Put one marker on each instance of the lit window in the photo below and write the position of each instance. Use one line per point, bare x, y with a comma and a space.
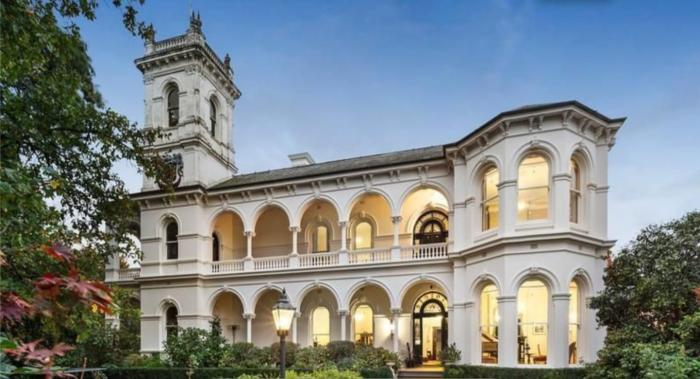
321, 239
363, 235
171, 322
171, 240
173, 106
321, 326
573, 322
489, 324
215, 248
533, 301
364, 325
575, 191
489, 199
212, 116
431, 227
533, 188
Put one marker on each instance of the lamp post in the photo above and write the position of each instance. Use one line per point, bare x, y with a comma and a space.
283, 313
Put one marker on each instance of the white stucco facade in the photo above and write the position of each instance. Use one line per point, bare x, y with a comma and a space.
300, 229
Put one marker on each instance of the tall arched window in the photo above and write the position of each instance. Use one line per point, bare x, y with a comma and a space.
171, 322
173, 105
171, 233
574, 192
489, 199
320, 239
574, 323
212, 116
363, 320
215, 248
533, 188
533, 305
489, 324
431, 227
320, 326
364, 235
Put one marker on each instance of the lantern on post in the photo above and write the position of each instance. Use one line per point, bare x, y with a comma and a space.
283, 314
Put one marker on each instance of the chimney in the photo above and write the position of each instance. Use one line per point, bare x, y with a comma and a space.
301, 159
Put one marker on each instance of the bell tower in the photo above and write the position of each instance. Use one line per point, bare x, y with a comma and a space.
190, 94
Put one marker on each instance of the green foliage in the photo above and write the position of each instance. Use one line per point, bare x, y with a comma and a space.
331, 373
340, 350
368, 357
465, 371
181, 373
147, 361
194, 347
313, 358
649, 306
382, 372
451, 354
241, 354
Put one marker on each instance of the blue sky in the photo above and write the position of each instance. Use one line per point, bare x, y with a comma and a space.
341, 79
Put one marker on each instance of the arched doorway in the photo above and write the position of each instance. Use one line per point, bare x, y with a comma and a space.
429, 326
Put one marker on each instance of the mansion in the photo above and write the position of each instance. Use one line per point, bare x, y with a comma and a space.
495, 242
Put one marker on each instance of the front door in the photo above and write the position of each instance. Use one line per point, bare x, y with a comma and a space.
429, 327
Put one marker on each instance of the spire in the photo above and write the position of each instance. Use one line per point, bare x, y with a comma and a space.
195, 23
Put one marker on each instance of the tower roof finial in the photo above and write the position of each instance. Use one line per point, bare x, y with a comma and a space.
195, 23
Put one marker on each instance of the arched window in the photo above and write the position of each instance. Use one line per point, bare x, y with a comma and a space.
320, 326
320, 239
171, 233
574, 324
173, 105
489, 199
533, 305
574, 191
171, 322
215, 248
364, 235
212, 116
533, 188
431, 227
489, 324
363, 319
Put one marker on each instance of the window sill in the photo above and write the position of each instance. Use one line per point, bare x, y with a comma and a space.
533, 225
486, 235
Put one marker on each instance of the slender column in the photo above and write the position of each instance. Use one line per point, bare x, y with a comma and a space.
295, 335
472, 346
295, 233
248, 261
343, 313
508, 194
559, 348
560, 201
508, 331
249, 326
395, 313
343, 235
396, 220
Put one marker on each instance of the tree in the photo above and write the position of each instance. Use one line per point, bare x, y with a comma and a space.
649, 305
63, 210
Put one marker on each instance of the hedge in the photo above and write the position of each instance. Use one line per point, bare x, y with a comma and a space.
384, 372
464, 371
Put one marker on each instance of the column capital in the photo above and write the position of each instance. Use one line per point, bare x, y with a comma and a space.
396, 311
249, 316
507, 299
249, 233
507, 183
294, 229
343, 224
396, 219
561, 296
562, 176
343, 312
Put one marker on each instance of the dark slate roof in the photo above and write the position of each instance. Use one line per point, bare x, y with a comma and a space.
332, 167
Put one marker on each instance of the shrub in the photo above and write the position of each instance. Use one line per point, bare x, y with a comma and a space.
181, 373
290, 354
241, 354
138, 360
451, 354
332, 373
339, 350
465, 371
368, 357
313, 358
383, 372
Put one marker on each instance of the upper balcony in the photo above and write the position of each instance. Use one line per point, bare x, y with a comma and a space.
372, 234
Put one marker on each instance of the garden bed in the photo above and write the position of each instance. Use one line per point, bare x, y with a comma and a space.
464, 371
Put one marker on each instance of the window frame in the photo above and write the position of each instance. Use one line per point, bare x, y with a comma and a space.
314, 239
171, 241
371, 233
172, 93
547, 186
213, 116
484, 200
356, 335
215, 247
575, 192
314, 335
171, 328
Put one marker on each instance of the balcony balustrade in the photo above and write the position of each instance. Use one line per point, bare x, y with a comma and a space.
330, 259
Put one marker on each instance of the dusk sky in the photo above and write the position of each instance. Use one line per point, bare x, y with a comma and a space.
340, 79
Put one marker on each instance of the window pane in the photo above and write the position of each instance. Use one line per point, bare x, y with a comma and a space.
533, 204
574, 198
489, 324
533, 302
490, 214
364, 325
321, 239
573, 322
490, 185
363, 235
533, 172
321, 324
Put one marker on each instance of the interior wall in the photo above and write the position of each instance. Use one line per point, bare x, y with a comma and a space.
264, 332
230, 311
272, 235
229, 227
319, 211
